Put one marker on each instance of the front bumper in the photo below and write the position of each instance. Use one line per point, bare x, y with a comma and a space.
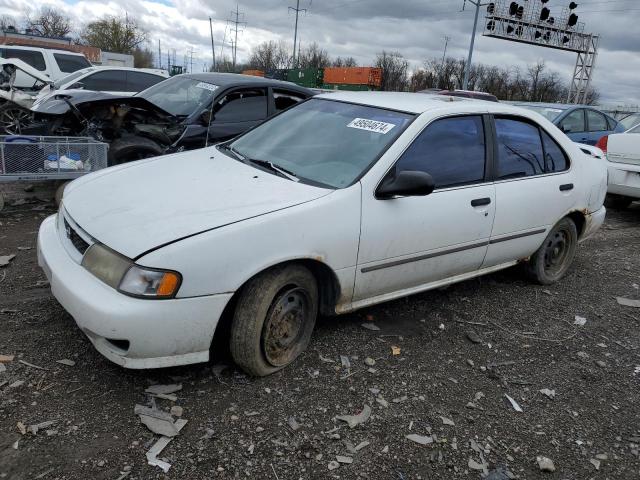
134, 333
624, 179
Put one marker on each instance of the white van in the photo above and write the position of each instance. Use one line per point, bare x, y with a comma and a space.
55, 64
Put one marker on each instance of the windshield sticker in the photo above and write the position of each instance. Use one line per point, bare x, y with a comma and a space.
207, 86
371, 125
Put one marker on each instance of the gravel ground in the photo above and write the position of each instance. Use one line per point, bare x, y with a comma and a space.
460, 352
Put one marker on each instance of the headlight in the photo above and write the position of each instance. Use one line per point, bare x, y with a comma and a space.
121, 273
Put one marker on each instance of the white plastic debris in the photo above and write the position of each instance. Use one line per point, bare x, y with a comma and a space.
625, 302
344, 459
67, 362
420, 439
447, 421
152, 454
548, 393
545, 464
157, 421
371, 326
514, 404
164, 389
580, 321
355, 420
344, 360
5, 259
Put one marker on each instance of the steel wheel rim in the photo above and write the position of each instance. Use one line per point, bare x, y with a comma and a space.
285, 324
13, 119
557, 251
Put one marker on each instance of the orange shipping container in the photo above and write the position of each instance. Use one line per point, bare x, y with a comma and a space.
353, 76
254, 73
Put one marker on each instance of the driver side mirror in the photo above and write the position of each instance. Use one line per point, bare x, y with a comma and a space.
407, 183
78, 86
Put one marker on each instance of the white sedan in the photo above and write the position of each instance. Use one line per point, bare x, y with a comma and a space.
346, 200
623, 153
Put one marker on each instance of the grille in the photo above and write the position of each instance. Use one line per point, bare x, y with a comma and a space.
76, 240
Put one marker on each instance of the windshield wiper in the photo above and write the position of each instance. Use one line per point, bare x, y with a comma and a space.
274, 168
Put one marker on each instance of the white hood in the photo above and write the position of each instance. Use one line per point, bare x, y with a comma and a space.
145, 204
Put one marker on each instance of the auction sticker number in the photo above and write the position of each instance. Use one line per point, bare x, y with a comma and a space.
207, 86
371, 125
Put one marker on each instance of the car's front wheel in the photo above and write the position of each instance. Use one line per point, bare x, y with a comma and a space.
554, 258
274, 318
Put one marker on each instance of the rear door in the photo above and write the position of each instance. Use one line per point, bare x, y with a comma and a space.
407, 242
534, 188
575, 126
597, 126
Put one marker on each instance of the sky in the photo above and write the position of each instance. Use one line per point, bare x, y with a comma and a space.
362, 28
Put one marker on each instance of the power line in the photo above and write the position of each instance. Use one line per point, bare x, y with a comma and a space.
297, 9
238, 14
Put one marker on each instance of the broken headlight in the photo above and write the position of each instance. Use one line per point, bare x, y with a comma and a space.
121, 273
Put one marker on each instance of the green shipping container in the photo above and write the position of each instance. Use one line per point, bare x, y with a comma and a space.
306, 77
349, 87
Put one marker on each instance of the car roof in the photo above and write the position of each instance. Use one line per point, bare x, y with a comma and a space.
53, 50
236, 79
95, 68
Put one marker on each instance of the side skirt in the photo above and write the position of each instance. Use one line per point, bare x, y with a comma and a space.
346, 308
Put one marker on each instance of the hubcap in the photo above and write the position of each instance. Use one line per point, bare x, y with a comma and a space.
285, 325
12, 120
556, 252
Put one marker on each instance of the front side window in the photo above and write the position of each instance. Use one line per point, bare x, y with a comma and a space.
597, 121
520, 151
242, 106
574, 122
324, 142
32, 58
106, 81
70, 63
451, 150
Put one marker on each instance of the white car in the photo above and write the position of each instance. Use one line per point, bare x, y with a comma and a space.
623, 153
346, 200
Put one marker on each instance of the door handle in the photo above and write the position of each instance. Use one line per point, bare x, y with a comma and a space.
566, 187
479, 202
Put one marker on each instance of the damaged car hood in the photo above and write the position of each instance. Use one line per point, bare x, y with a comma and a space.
58, 103
142, 205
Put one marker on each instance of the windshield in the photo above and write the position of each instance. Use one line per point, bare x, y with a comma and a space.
71, 77
630, 121
180, 96
549, 113
324, 142
635, 130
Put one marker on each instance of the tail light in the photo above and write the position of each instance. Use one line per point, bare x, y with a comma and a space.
602, 143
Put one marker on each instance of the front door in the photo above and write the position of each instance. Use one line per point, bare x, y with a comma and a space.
238, 111
408, 242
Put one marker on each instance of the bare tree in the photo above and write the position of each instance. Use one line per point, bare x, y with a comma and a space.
269, 56
48, 22
114, 34
394, 71
313, 56
344, 62
8, 21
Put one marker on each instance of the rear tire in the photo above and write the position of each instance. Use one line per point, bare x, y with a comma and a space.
617, 202
131, 148
274, 319
14, 118
555, 256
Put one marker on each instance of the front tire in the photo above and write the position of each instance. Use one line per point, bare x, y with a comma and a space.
130, 148
554, 258
14, 118
274, 319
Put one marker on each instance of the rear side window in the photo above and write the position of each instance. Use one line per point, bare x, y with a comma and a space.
284, 99
32, 58
70, 63
138, 81
574, 122
520, 151
242, 106
451, 150
107, 81
597, 121
555, 160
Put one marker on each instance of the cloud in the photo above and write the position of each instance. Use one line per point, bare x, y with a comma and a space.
362, 28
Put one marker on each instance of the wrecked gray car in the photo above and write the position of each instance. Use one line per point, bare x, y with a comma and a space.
181, 113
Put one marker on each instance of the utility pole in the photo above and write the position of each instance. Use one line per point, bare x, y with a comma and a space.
236, 22
444, 55
159, 55
213, 49
467, 67
297, 9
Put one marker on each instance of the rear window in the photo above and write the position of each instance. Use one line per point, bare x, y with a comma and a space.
70, 63
32, 58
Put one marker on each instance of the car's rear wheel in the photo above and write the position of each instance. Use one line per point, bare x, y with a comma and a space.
617, 202
554, 258
14, 118
131, 148
274, 319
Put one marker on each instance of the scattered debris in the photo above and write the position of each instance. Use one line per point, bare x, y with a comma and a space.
395, 350
293, 424
369, 361
420, 439
157, 421
40, 426
473, 337
325, 359
447, 421
580, 321
345, 362
545, 464
371, 326
6, 358
31, 365
67, 362
164, 389
5, 259
176, 411
344, 459
382, 402
514, 404
548, 393
601, 363
355, 420
595, 462
362, 445
21, 428
16, 384
625, 302
333, 465
152, 454
473, 465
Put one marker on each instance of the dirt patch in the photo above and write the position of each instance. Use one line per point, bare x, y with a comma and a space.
461, 351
